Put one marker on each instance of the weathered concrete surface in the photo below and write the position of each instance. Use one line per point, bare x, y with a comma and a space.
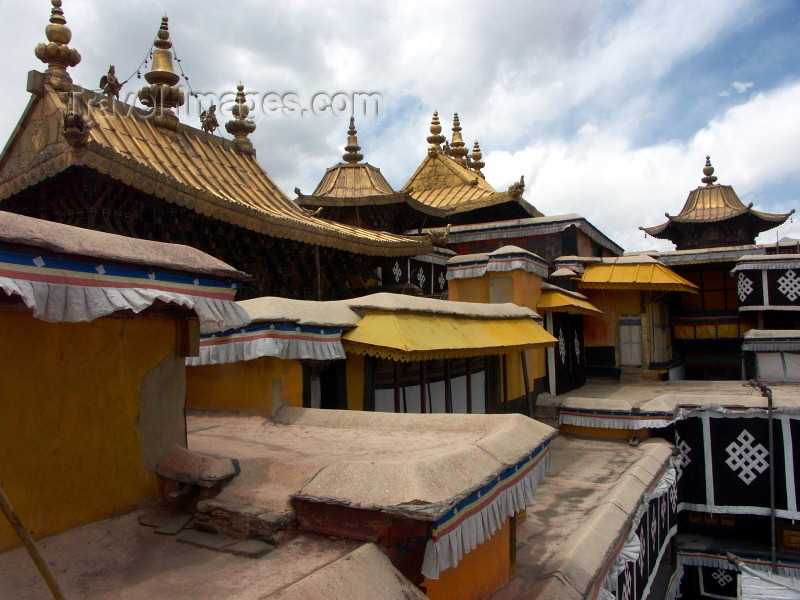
666, 395
122, 560
579, 512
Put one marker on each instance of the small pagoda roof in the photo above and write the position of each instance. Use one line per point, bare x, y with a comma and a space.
352, 182
448, 182
714, 203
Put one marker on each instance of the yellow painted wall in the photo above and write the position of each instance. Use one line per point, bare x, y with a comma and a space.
481, 572
355, 382
253, 387
469, 290
70, 449
602, 330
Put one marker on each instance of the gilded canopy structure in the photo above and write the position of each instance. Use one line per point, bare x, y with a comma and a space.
712, 216
634, 273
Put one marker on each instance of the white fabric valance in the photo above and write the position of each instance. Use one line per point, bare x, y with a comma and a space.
476, 518
279, 340
59, 290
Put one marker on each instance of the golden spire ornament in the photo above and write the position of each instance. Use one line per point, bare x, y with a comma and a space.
435, 139
708, 171
458, 149
162, 95
352, 154
475, 157
55, 52
240, 126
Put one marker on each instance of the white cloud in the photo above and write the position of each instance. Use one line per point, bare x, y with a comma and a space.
742, 86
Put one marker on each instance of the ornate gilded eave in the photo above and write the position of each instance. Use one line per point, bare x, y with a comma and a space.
218, 181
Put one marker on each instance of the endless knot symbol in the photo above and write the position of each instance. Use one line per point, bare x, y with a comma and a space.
627, 587
577, 348
682, 460
789, 285
654, 529
721, 577
442, 280
745, 286
642, 552
397, 271
747, 457
562, 346
421, 278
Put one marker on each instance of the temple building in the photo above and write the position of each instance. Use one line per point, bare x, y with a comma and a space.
713, 217
712, 233
87, 159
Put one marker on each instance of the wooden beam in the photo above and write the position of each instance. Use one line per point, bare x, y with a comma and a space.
423, 392
396, 386
448, 392
469, 386
527, 382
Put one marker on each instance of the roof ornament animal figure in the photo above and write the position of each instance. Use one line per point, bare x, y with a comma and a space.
110, 84
515, 189
208, 119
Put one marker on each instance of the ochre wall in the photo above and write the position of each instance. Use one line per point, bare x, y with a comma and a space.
71, 403
481, 572
602, 330
526, 288
253, 387
469, 290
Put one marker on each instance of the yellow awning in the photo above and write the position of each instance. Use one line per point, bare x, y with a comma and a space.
558, 301
627, 276
408, 336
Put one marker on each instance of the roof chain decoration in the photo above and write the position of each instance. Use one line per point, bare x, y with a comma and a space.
436, 139
475, 159
162, 95
352, 154
240, 126
56, 53
708, 171
458, 149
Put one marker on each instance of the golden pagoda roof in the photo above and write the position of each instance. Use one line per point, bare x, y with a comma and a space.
352, 183
187, 167
442, 186
713, 203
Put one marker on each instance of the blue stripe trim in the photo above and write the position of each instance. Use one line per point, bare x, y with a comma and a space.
49, 262
288, 327
487, 489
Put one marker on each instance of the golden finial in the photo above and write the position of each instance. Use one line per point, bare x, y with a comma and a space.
56, 53
435, 139
240, 126
708, 171
352, 154
475, 157
162, 95
458, 149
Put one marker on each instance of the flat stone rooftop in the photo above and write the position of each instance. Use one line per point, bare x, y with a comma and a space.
666, 396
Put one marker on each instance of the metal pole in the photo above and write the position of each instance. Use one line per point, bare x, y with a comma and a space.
319, 275
30, 545
768, 394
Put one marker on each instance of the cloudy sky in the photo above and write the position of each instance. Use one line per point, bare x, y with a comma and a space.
607, 108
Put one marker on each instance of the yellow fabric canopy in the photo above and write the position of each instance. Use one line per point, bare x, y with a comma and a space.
635, 276
557, 301
408, 336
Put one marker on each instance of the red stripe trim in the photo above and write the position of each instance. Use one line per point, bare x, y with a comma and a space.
488, 499
94, 283
278, 336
